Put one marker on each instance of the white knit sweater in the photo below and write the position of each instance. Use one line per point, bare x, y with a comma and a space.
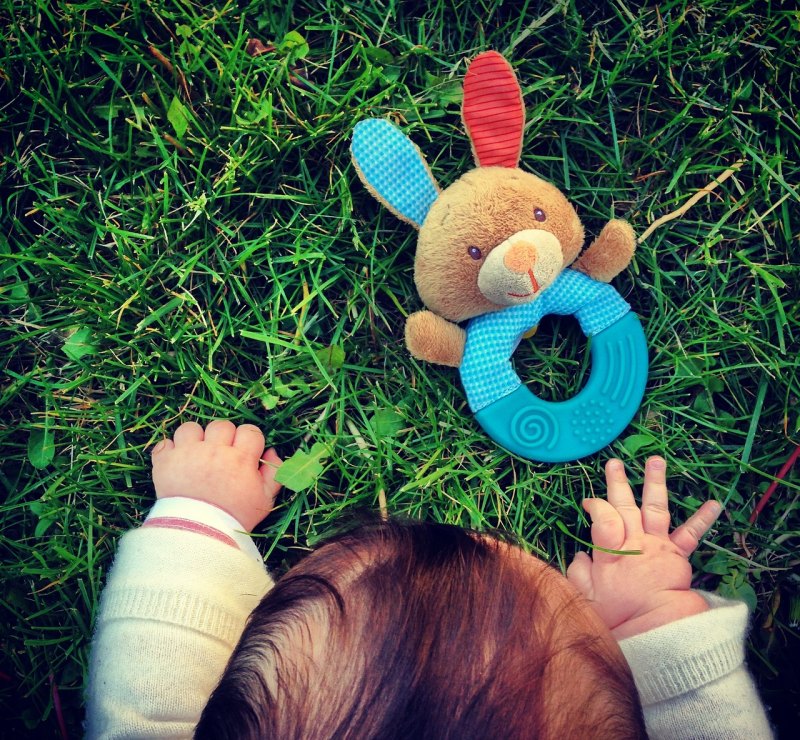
172, 611
691, 676
176, 602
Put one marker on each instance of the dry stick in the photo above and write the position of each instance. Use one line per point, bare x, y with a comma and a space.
174, 71
762, 502
689, 203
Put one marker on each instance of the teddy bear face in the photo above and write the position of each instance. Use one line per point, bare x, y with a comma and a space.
496, 237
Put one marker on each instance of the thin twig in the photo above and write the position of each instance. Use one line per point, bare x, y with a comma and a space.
173, 70
762, 502
57, 708
689, 203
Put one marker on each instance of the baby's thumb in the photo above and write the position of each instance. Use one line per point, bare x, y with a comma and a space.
270, 464
579, 574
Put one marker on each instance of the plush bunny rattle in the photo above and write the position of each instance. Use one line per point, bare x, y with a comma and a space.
494, 248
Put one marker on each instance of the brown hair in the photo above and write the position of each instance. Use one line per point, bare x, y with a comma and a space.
398, 630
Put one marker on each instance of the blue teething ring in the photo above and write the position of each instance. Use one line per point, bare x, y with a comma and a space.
567, 430
559, 431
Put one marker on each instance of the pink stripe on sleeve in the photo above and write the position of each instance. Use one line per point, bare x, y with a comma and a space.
187, 525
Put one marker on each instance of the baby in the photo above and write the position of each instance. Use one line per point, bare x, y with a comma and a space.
406, 630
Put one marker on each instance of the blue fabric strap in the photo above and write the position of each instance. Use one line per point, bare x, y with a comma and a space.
486, 370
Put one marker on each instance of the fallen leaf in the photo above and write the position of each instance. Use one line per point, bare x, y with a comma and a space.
294, 46
79, 344
41, 448
331, 358
256, 47
302, 469
177, 117
386, 423
635, 442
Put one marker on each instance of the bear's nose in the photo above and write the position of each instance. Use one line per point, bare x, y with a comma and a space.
520, 257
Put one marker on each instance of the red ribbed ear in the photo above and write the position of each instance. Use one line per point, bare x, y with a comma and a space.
493, 112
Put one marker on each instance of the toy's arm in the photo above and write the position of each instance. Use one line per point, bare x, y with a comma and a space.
610, 253
431, 338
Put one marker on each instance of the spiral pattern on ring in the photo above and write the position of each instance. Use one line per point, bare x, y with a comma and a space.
534, 427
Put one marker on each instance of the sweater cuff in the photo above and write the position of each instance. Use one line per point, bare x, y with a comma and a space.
682, 656
175, 577
169, 512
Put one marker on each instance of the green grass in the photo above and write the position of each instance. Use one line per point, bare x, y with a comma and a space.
207, 247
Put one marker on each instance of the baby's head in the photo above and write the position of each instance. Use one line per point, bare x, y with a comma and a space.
398, 630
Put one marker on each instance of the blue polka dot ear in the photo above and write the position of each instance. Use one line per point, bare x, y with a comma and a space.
393, 170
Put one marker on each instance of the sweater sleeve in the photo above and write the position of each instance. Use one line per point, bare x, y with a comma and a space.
692, 680
173, 609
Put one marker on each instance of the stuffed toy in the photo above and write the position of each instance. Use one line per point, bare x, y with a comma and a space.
498, 249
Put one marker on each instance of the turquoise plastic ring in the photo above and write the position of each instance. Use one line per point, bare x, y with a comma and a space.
558, 431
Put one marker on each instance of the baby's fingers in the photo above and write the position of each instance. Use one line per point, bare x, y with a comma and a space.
655, 499
270, 464
608, 528
620, 496
579, 574
687, 536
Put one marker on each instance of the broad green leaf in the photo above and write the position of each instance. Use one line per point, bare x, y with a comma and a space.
264, 396
268, 401
391, 73
331, 358
294, 46
635, 442
19, 290
688, 367
736, 587
386, 423
302, 469
718, 564
289, 390
379, 56
41, 448
444, 90
187, 48
41, 527
178, 117
32, 718
80, 343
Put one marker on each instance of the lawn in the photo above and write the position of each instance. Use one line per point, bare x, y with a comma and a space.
184, 237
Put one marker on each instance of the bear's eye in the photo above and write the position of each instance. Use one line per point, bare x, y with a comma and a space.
539, 214
475, 253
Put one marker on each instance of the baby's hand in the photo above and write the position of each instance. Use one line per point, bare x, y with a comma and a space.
220, 465
636, 593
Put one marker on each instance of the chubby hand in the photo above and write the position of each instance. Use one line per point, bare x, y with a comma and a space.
638, 592
223, 465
